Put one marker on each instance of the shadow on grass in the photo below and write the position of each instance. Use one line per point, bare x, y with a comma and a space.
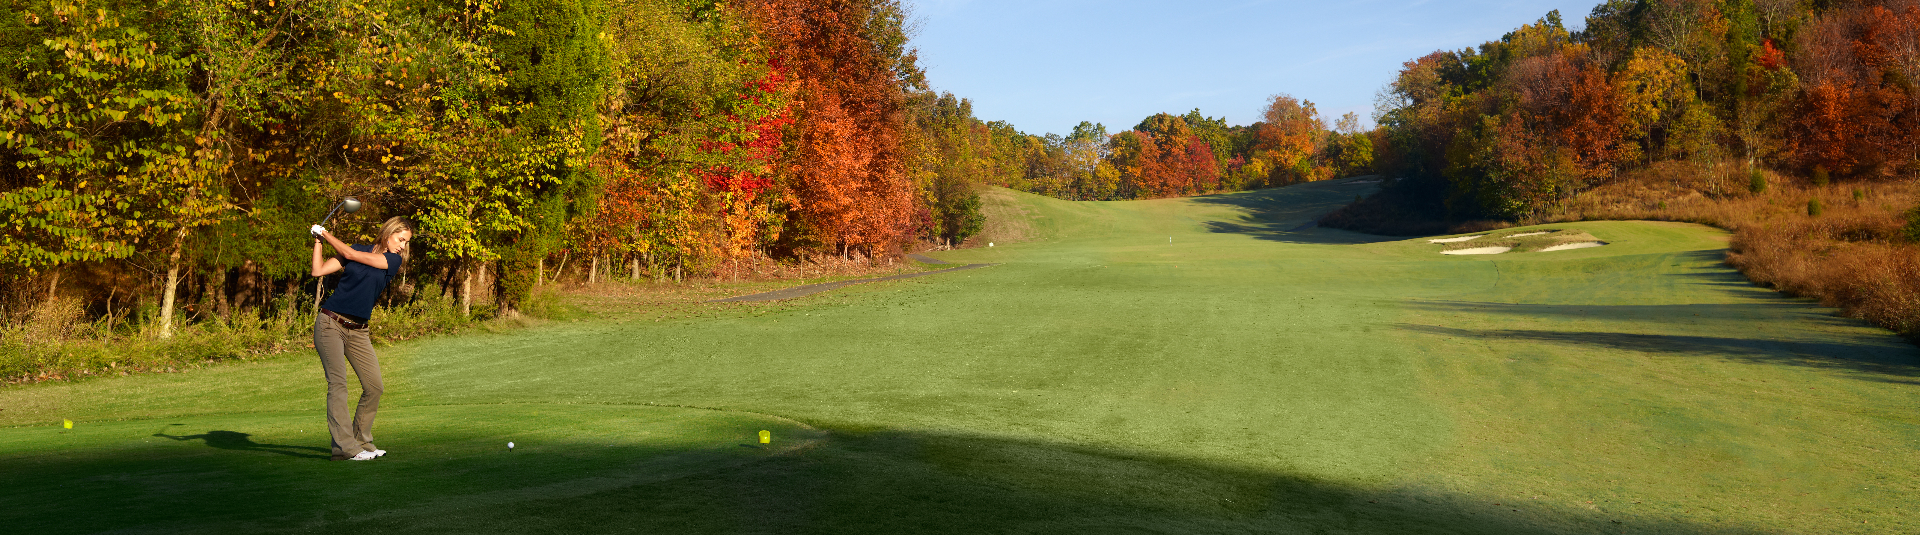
234, 440
1288, 214
1662, 313
899, 482
1891, 363
1758, 305
855, 482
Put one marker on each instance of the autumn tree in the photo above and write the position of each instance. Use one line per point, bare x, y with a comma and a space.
1290, 137
850, 61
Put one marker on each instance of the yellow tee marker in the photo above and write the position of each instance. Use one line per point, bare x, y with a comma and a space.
766, 437
67, 423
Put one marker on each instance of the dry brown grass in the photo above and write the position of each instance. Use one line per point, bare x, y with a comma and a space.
1851, 257
56, 341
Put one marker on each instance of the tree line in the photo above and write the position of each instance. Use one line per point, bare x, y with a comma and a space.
1165, 155
159, 155
1514, 128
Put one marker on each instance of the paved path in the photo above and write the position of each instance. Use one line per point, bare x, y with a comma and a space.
810, 289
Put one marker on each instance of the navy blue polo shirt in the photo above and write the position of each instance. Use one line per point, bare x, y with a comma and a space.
360, 285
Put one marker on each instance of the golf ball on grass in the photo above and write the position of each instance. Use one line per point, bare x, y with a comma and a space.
509, 445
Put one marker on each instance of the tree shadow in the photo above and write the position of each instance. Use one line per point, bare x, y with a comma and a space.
1290, 214
891, 481
1888, 363
1797, 309
234, 440
857, 481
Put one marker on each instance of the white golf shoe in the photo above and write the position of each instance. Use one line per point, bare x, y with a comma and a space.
365, 456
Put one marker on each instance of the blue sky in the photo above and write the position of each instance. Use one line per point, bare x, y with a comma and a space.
1046, 65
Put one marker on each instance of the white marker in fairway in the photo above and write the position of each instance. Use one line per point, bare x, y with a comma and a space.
509, 445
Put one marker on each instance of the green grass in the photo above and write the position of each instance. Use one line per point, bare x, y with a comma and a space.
1171, 366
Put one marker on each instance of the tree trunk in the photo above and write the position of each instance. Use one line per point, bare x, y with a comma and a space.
540, 272
217, 283
562, 271
319, 287
635, 261
466, 293
173, 281
593, 268
243, 297
292, 293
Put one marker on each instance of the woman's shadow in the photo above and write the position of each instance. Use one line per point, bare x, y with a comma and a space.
234, 440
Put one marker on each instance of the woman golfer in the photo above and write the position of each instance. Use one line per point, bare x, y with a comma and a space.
340, 332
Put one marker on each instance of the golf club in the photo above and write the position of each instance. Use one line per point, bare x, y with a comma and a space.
346, 206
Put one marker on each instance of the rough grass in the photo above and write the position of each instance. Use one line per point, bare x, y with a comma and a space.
58, 342
1852, 256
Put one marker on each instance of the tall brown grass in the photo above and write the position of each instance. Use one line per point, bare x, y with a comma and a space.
1852, 256
58, 342
55, 339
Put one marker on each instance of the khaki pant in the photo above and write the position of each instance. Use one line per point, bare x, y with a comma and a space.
340, 347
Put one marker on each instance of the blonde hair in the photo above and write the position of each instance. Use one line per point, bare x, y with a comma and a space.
392, 226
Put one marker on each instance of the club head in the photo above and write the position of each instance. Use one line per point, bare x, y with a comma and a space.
350, 205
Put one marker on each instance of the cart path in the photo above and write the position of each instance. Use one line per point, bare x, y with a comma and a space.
810, 289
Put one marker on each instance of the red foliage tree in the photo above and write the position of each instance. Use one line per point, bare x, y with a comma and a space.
1859, 108
848, 169
1569, 97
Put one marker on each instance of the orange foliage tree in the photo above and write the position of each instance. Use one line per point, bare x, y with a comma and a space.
1859, 109
851, 66
1289, 138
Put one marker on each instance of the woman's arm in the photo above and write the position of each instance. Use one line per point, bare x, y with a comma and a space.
378, 261
323, 266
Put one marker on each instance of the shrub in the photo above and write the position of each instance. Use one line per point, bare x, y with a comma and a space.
1821, 176
1912, 230
1756, 182
1813, 207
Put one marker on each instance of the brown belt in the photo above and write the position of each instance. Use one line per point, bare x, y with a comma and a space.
350, 324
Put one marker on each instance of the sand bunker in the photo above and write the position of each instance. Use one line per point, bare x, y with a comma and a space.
1574, 245
1529, 234
1459, 239
1479, 250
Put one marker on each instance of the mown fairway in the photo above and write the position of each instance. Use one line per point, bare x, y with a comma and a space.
1173, 366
